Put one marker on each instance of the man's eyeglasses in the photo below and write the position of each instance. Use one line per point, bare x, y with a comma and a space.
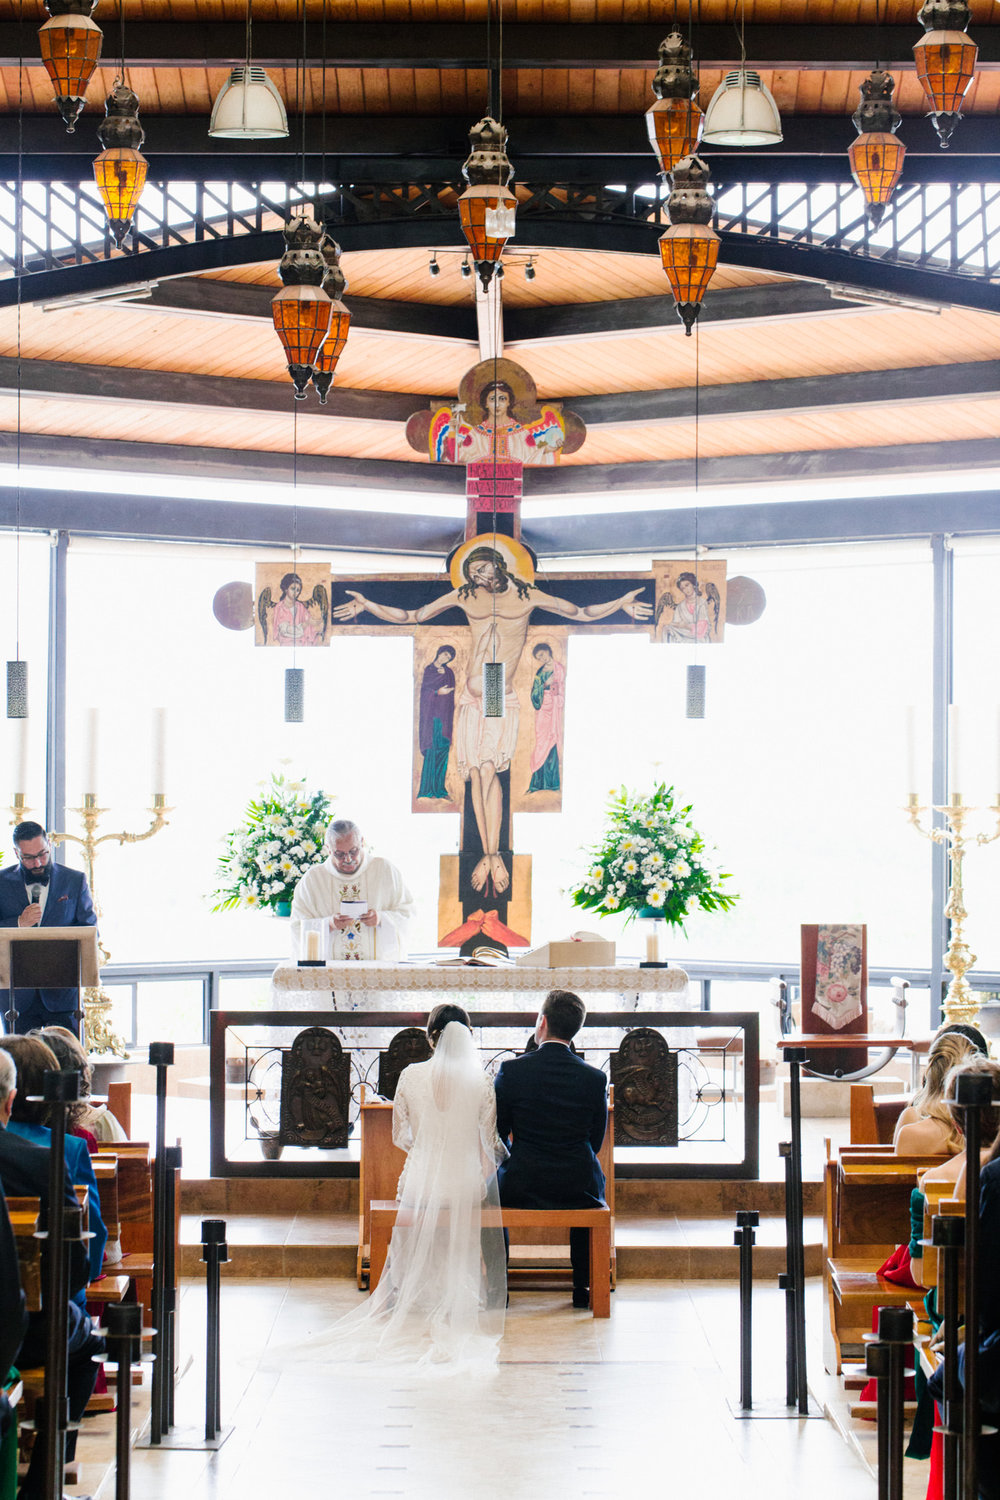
35, 859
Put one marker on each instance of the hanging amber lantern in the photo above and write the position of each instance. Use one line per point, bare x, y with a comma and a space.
946, 61
675, 121
70, 44
876, 156
486, 210
689, 249
120, 170
301, 310
334, 284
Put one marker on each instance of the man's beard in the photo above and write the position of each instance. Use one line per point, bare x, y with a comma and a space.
36, 877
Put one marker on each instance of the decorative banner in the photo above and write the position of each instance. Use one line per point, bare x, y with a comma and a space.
292, 607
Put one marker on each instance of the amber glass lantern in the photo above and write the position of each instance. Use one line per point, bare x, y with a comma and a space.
487, 207
689, 249
120, 170
70, 44
675, 121
332, 348
301, 316
876, 156
946, 61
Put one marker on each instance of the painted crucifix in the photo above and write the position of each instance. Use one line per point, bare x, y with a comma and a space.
492, 608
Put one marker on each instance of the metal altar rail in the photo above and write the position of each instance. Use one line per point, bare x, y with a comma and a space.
744, 1026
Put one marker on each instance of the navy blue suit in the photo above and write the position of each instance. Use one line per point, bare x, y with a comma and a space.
552, 1110
69, 904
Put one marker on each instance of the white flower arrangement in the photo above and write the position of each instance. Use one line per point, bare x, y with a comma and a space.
651, 861
281, 837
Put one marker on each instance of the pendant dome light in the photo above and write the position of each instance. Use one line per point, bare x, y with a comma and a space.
249, 107
742, 111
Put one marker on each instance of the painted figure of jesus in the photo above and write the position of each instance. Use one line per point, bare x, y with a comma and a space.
498, 605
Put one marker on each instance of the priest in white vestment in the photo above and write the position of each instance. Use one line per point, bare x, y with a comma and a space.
359, 903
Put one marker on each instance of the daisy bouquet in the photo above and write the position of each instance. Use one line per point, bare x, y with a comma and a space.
280, 837
651, 862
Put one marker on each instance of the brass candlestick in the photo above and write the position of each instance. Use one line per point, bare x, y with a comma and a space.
960, 1002
99, 1036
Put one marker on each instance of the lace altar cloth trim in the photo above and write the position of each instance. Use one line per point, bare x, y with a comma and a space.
431, 977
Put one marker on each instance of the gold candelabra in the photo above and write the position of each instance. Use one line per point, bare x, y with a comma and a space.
960, 1002
98, 1033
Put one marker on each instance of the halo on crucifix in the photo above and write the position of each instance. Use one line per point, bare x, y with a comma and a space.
513, 556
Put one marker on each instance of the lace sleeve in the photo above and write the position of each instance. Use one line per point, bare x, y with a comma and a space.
488, 1123
402, 1130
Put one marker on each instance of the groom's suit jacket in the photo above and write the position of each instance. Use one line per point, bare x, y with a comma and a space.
552, 1110
69, 904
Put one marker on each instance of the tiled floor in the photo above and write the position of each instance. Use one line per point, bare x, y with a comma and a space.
578, 1408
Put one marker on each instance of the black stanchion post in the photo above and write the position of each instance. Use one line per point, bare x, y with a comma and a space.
948, 1235
173, 1156
746, 1222
63, 1227
973, 1092
786, 1281
214, 1251
161, 1056
123, 1332
795, 1056
885, 1360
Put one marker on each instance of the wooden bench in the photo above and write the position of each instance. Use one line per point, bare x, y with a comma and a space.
24, 1215
873, 1121
596, 1220
382, 1164
866, 1215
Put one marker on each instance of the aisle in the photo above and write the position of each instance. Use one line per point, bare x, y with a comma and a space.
578, 1408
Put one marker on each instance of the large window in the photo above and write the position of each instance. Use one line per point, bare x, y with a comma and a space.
796, 774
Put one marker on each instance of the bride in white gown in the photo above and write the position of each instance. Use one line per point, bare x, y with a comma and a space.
441, 1298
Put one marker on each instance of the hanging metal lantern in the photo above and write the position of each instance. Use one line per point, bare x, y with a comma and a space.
120, 170
689, 249
334, 284
876, 156
946, 61
17, 690
70, 44
301, 310
675, 121
486, 210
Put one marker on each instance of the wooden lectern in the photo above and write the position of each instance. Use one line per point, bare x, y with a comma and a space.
47, 958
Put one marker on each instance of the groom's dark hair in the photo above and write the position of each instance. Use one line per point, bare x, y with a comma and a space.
439, 1018
565, 1013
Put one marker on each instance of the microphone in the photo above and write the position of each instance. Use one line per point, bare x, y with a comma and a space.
35, 892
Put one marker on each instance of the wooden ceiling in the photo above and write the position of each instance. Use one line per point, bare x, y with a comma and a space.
187, 377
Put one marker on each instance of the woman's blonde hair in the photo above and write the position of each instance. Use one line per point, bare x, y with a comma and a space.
949, 1050
989, 1115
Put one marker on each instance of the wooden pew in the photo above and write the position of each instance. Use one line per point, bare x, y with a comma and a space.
866, 1215
382, 1163
873, 1121
24, 1214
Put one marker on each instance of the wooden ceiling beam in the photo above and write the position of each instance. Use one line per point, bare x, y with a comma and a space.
462, 44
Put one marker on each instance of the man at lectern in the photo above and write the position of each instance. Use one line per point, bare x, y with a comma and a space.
37, 892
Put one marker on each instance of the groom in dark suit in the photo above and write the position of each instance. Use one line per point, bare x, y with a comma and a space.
37, 892
552, 1111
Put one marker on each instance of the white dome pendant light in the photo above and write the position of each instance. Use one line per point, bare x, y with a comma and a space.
742, 111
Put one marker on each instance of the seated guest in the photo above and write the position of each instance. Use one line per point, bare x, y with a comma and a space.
989, 1125
32, 1060
13, 1317
94, 1123
552, 1111
24, 1173
926, 1126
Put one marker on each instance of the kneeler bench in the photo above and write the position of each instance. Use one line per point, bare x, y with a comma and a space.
596, 1220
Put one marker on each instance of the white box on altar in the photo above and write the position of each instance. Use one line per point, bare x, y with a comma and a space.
569, 953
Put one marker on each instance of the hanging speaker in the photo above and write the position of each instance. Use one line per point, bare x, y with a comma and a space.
295, 695
494, 690
17, 690
695, 692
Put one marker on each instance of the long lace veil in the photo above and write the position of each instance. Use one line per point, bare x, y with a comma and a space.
441, 1299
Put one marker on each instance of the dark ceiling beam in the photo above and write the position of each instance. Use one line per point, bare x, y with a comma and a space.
417, 477
420, 148
523, 325
62, 380
462, 44
111, 514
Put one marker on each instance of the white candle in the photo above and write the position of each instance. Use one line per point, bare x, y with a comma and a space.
954, 745
653, 943
90, 760
21, 759
312, 945
911, 749
159, 752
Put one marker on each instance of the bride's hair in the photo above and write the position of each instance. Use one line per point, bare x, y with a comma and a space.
439, 1018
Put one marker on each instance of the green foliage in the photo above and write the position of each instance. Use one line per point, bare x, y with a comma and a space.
280, 838
651, 860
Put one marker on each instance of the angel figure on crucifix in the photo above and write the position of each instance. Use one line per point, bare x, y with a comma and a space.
493, 578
